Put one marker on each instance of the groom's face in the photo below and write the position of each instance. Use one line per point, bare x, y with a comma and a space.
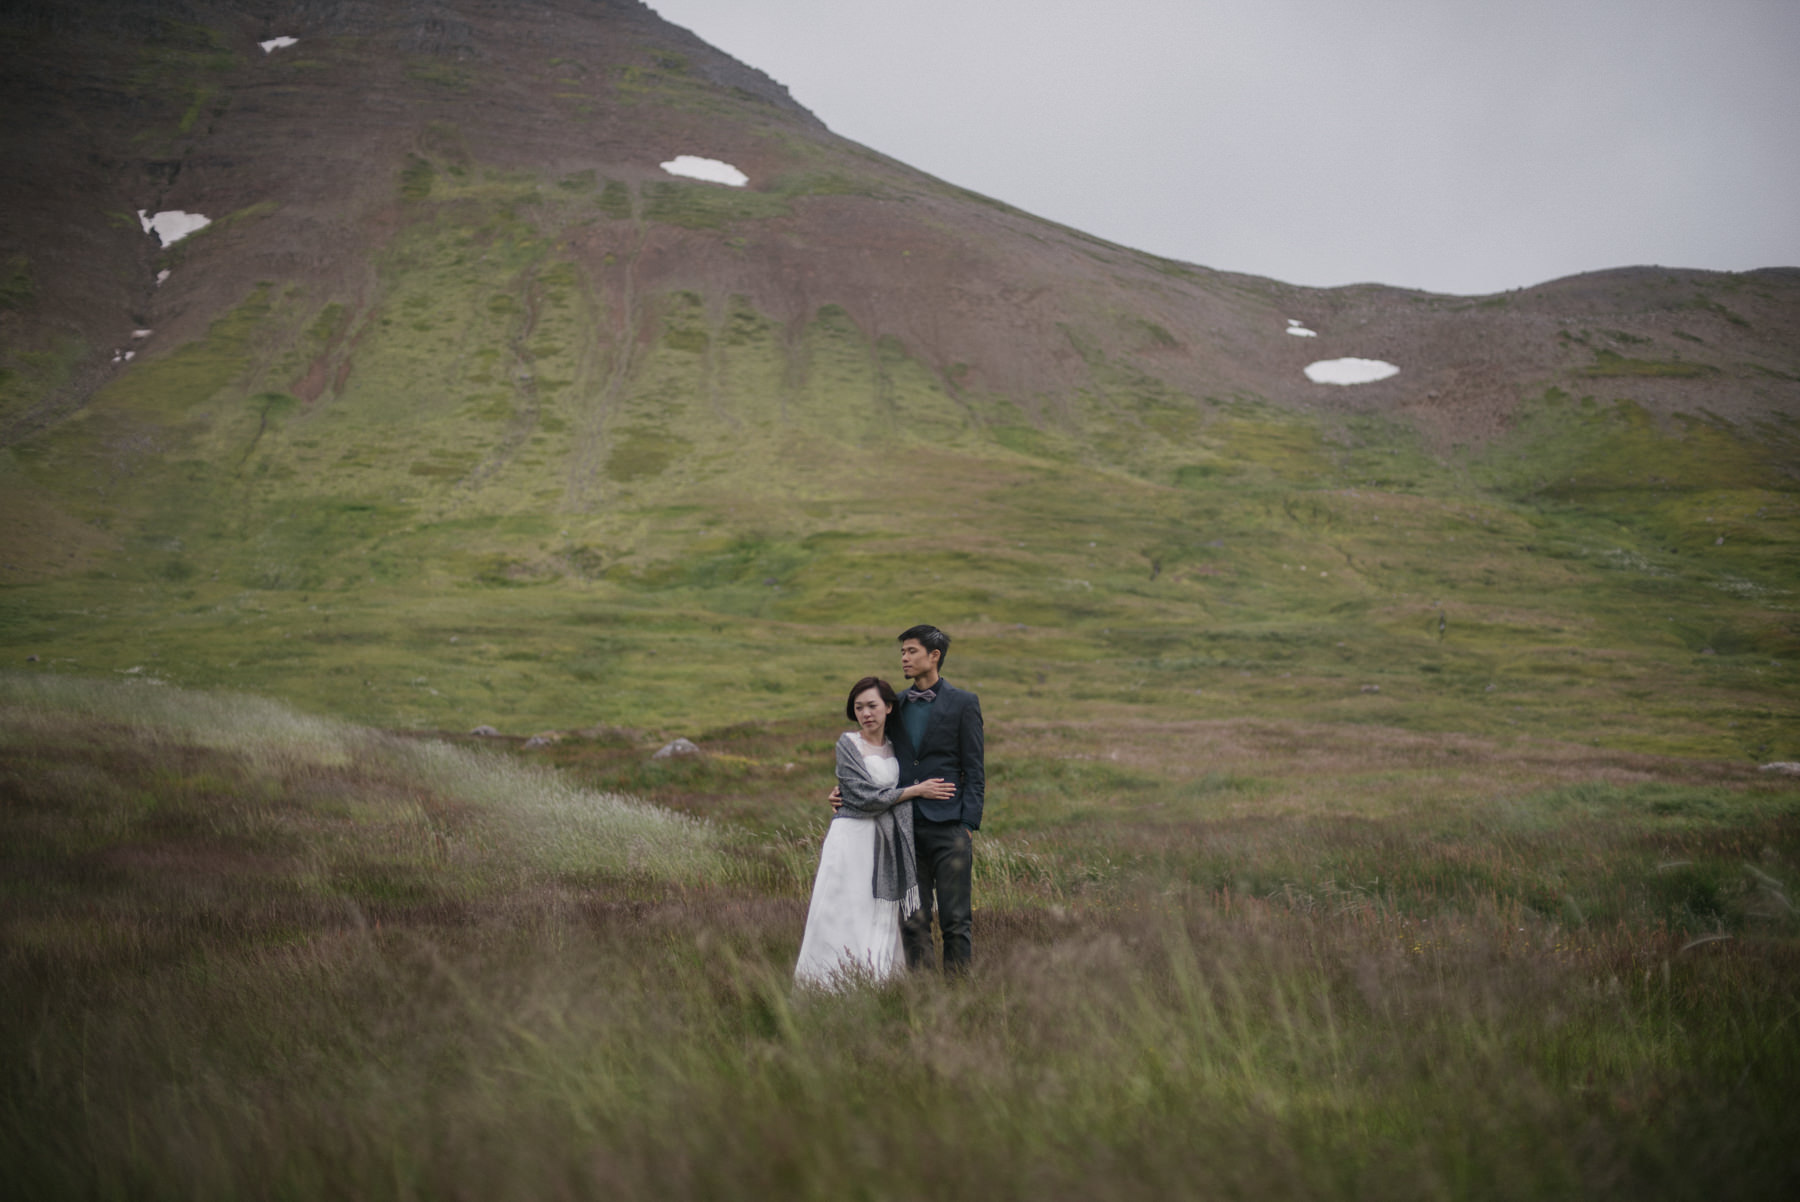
915, 661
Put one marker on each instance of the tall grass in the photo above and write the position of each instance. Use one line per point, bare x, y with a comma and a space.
1243, 1054
343, 974
532, 816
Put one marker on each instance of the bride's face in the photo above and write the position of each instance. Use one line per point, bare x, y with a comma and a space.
871, 714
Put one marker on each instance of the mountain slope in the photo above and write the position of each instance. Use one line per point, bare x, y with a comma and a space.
464, 409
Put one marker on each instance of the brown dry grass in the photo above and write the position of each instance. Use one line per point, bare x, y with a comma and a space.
255, 966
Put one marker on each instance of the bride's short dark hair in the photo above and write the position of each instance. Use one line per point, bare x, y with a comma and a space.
864, 685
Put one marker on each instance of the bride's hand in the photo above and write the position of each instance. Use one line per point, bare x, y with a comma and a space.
937, 789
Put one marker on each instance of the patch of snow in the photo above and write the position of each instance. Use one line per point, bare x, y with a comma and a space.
274, 44
162, 277
172, 225
711, 170
1300, 331
142, 333
1349, 371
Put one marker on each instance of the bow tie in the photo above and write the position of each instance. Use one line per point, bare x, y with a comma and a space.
920, 694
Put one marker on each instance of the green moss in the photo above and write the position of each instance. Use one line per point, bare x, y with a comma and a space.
30, 377
17, 288
704, 206
274, 404
440, 75
1200, 475
443, 464
667, 84
1608, 363
825, 183
329, 325
644, 451
416, 178
245, 215
615, 200
1706, 304
1026, 440
201, 97
1152, 336
180, 69
169, 387
1773, 373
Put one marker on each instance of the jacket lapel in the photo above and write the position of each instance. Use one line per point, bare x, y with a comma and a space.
896, 733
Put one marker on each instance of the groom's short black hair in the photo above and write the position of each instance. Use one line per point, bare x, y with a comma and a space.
930, 638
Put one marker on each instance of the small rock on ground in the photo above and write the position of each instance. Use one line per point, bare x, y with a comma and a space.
1783, 767
677, 748
485, 732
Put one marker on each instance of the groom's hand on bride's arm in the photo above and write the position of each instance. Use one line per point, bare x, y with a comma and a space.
837, 798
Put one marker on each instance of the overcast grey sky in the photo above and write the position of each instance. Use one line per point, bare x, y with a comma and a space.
1457, 146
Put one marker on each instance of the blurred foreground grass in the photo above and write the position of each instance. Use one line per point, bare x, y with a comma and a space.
250, 953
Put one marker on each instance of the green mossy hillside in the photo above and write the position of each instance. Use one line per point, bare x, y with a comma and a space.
511, 487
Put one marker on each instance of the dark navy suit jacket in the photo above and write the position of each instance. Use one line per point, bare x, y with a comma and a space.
951, 748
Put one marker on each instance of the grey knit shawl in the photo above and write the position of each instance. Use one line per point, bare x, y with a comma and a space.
896, 858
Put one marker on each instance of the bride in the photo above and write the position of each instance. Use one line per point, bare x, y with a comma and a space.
868, 879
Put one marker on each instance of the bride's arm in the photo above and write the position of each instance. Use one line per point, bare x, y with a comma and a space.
937, 788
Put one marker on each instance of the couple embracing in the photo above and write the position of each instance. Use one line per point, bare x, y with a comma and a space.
900, 847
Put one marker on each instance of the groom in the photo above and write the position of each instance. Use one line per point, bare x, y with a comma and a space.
936, 732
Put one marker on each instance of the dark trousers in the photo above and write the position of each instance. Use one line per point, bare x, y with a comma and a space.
946, 861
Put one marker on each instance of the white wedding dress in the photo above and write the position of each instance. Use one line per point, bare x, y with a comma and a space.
851, 935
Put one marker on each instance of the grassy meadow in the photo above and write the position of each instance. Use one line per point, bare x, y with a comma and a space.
254, 953
1368, 817
1596, 575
